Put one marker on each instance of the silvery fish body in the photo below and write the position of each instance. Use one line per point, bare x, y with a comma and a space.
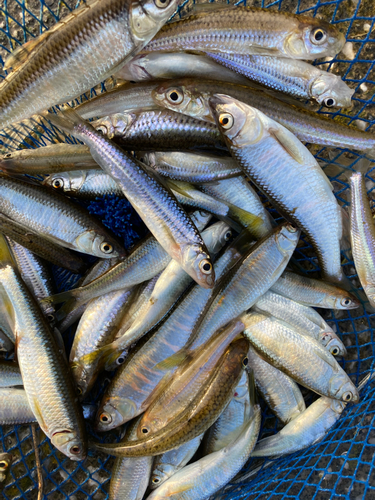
15, 408
193, 97
167, 464
279, 391
302, 358
298, 317
56, 218
158, 209
249, 30
247, 281
307, 429
48, 159
239, 192
283, 168
154, 66
312, 292
10, 374
77, 53
191, 167
130, 475
128, 392
45, 374
293, 77
229, 425
36, 274
203, 478
84, 183
362, 235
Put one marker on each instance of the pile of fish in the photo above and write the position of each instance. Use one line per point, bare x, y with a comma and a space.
209, 311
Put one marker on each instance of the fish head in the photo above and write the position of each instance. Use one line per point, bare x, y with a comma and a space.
216, 236
146, 157
344, 300
5, 463
196, 261
83, 378
183, 97
161, 473
333, 344
114, 412
287, 238
337, 406
114, 125
69, 443
239, 123
95, 243
313, 38
330, 91
148, 16
342, 388
200, 219
135, 69
66, 181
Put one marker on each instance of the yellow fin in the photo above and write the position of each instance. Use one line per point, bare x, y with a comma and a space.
20, 54
246, 218
289, 145
173, 361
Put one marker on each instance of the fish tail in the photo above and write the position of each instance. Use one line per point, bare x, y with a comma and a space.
247, 219
68, 120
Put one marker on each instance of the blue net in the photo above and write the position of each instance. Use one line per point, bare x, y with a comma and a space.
340, 466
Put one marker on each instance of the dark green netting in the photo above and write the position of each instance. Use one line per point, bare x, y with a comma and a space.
342, 465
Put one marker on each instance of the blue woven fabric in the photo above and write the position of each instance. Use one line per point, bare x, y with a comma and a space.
342, 465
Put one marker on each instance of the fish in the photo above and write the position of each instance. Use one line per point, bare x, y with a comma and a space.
248, 30
300, 357
130, 476
45, 374
48, 160
362, 236
241, 287
127, 395
177, 391
158, 209
5, 463
146, 260
77, 53
297, 316
230, 424
290, 76
170, 462
34, 207
15, 408
239, 192
42, 247
199, 416
159, 129
191, 97
168, 65
209, 474
283, 168
278, 390
193, 167
36, 275
85, 184
307, 429
314, 293
10, 374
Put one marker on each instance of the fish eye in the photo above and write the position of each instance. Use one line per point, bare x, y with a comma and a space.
106, 248
144, 430
291, 228
58, 183
79, 390
8, 155
120, 360
228, 235
75, 449
346, 302
4, 464
155, 480
205, 266
50, 317
175, 96
335, 351
347, 396
245, 361
105, 418
329, 102
318, 36
161, 4
226, 120
102, 130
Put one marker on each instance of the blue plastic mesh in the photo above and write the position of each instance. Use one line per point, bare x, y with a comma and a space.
342, 465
